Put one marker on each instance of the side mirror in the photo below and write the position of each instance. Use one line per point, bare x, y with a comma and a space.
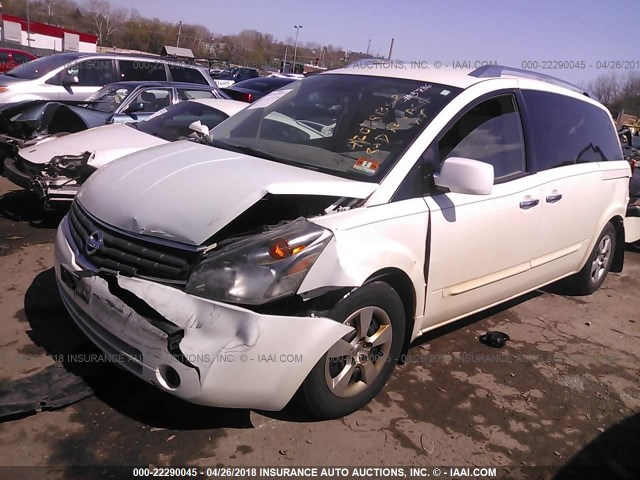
198, 127
68, 80
135, 107
464, 175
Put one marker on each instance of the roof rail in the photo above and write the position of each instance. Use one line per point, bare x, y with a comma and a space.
489, 71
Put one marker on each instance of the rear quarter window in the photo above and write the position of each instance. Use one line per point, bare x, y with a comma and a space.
181, 73
567, 131
603, 133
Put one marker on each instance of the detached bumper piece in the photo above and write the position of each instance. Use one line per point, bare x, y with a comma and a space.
49, 389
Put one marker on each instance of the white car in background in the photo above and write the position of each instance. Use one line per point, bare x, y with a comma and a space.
282, 260
57, 167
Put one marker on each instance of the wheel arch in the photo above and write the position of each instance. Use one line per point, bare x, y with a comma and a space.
403, 286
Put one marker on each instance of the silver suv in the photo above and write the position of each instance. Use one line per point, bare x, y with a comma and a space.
75, 76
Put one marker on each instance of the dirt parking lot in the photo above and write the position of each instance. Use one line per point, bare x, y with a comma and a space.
563, 392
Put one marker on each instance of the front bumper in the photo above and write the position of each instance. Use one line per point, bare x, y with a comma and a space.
230, 356
15, 174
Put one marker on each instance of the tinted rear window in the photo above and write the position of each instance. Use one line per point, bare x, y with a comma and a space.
181, 73
567, 131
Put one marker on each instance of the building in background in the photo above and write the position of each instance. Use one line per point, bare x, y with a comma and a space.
42, 38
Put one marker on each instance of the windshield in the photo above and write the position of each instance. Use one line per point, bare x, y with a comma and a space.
172, 123
353, 126
109, 98
39, 67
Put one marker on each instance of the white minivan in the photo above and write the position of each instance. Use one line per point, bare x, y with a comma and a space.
334, 221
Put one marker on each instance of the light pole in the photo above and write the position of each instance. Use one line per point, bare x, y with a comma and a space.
295, 49
28, 26
179, 30
284, 65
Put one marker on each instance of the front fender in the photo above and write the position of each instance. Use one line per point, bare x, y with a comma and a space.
369, 240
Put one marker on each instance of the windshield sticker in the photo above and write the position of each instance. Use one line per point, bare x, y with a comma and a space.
366, 165
157, 114
445, 92
269, 99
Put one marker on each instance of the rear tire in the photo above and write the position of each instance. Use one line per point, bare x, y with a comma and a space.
590, 278
356, 367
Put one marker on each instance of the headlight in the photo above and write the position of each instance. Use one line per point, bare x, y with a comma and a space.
260, 268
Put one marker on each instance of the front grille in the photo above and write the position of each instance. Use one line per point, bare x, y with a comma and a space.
130, 255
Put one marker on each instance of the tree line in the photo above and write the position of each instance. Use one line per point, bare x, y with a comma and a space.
128, 29
618, 91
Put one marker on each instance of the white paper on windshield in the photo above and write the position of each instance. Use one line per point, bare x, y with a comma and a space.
224, 83
269, 98
158, 113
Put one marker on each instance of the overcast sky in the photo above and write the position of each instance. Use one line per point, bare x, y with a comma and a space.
511, 32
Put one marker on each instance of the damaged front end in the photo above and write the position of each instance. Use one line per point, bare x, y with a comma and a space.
30, 123
60, 180
24, 123
192, 320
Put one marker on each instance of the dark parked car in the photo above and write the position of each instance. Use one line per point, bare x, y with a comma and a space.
232, 75
11, 58
251, 90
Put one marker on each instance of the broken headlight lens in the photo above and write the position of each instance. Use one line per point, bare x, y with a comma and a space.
260, 268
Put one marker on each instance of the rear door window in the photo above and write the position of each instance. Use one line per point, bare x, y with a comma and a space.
567, 131
142, 70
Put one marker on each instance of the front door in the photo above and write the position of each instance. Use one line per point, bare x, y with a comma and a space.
481, 245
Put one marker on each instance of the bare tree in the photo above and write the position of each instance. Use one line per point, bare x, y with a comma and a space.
106, 19
50, 8
606, 88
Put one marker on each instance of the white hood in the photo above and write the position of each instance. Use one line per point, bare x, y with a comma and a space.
186, 191
107, 142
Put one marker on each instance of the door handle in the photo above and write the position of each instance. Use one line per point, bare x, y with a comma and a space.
554, 198
526, 204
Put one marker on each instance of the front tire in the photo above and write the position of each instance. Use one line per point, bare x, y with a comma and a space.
356, 367
592, 275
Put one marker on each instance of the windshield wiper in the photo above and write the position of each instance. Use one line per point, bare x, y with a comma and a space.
256, 152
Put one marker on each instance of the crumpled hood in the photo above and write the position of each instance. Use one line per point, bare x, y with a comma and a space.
111, 141
187, 192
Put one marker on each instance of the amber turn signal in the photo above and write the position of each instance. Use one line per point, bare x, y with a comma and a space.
280, 248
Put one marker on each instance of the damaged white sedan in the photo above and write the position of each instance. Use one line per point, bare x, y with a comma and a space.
335, 220
56, 167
